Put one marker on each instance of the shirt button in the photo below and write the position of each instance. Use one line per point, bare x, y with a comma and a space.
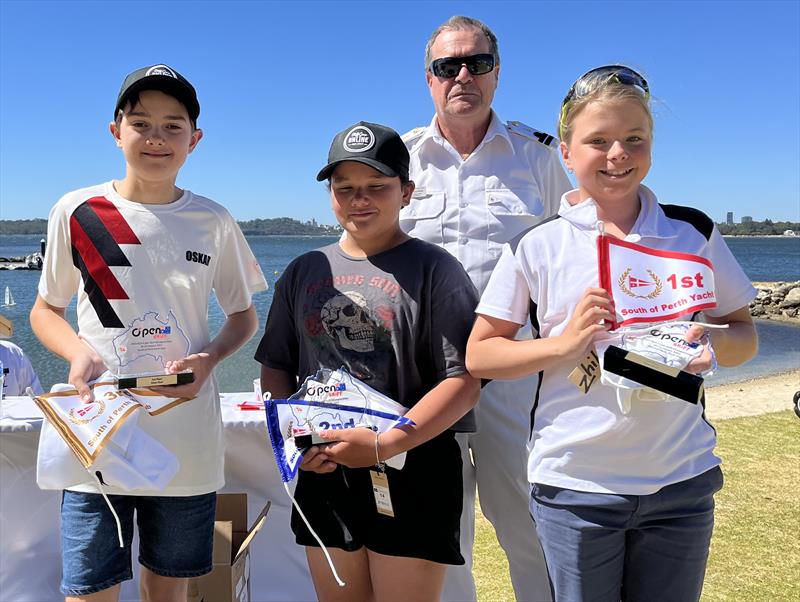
518, 210
463, 205
462, 240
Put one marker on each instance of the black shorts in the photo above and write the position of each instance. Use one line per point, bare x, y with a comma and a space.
427, 497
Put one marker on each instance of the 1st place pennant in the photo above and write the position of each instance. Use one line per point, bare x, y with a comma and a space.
652, 285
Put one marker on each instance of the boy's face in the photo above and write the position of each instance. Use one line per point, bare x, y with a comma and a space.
155, 136
367, 203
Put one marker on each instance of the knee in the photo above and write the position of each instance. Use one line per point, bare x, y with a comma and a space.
157, 588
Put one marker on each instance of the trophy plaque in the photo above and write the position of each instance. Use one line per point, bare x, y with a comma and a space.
154, 379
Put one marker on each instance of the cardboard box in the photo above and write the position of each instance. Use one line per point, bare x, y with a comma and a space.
229, 580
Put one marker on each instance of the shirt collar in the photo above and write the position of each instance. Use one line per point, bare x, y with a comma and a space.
433, 135
651, 222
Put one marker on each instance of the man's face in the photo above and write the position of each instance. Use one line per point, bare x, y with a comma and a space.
464, 95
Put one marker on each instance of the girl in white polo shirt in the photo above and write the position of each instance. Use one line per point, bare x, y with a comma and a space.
622, 497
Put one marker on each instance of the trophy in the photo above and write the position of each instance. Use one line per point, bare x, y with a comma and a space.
144, 347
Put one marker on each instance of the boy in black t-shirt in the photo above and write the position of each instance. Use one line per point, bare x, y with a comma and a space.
396, 312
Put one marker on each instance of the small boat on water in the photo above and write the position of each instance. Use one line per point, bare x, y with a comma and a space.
8, 301
33, 261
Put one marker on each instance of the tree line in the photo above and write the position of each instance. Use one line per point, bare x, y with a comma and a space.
286, 226
765, 228
277, 226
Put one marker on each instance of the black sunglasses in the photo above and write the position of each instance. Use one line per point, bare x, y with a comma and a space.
450, 66
619, 74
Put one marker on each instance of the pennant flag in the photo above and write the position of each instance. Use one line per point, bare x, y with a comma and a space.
326, 400
651, 285
102, 436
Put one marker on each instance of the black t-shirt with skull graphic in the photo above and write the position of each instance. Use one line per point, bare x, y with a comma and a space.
398, 320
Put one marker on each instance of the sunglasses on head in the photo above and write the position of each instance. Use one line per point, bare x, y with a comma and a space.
450, 66
618, 74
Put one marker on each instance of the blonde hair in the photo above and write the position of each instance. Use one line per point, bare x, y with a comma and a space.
605, 91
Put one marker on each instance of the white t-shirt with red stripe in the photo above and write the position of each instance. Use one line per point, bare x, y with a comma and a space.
143, 275
583, 441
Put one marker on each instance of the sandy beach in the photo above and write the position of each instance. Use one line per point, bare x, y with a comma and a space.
772, 393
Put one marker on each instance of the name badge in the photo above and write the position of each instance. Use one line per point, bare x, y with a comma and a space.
380, 487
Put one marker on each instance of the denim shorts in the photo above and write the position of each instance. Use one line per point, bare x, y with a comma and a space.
176, 536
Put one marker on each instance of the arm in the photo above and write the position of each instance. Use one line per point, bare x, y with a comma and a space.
492, 351
280, 384
734, 345
56, 334
439, 409
235, 332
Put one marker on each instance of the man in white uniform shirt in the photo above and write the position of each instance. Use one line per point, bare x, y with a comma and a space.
479, 183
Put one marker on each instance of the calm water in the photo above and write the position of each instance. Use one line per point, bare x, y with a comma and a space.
765, 259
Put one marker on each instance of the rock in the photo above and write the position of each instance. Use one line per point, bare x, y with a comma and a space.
792, 298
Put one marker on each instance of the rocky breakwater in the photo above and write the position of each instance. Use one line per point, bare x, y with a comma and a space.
777, 301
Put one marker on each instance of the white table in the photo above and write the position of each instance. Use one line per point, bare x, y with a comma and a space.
30, 558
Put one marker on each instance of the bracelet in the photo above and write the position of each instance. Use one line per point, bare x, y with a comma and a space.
378, 462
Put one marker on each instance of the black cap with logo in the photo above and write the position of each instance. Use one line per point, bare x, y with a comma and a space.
164, 79
372, 144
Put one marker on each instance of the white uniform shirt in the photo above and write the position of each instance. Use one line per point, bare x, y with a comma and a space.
21, 374
143, 275
584, 442
471, 206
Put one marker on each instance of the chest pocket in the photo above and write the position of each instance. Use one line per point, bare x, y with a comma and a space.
512, 211
522, 202
423, 216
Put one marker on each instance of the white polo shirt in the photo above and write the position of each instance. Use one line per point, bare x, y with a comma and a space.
472, 206
583, 441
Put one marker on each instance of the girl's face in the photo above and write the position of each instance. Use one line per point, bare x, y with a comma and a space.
609, 151
367, 204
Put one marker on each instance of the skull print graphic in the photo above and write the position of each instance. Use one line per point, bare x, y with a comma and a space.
346, 318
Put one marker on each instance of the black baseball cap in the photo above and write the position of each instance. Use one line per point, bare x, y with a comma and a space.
164, 79
372, 144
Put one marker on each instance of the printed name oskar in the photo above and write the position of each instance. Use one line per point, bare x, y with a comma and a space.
198, 257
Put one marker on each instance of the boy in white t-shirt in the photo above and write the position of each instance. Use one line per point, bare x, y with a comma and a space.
143, 257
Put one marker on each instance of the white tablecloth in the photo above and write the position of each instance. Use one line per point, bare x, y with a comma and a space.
30, 559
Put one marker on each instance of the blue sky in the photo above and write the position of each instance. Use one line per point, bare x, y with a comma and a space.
276, 81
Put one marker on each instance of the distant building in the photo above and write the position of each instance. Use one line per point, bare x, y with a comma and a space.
747, 219
729, 219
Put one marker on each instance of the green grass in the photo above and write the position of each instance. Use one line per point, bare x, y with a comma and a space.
755, 551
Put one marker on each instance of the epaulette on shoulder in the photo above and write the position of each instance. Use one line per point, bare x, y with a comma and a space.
410, 135
519, 128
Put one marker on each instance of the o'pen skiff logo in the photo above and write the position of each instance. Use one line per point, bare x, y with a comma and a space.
626, 282
86, 413
359, 139
160, 70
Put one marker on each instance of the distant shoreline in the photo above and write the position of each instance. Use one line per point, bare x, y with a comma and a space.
44, 234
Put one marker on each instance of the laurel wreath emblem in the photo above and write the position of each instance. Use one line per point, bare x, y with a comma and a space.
101, 407
652, 295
